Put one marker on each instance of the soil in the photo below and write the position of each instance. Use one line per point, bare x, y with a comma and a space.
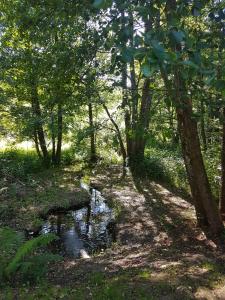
160, 252
157, 233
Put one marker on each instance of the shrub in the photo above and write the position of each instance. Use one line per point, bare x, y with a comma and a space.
19, 164
68, 157
24, 258
166, 165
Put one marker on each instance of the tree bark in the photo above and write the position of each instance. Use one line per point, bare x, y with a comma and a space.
53, 137
222, 195
125, 100
59, 134
119, 136
93, 156
206, 209
36, 143
144, 118
36, 109
140, 112
202, 126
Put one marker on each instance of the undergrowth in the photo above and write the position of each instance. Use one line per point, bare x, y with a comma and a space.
165, 164
22, 260
19, 164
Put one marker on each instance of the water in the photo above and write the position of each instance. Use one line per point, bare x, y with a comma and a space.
84, 231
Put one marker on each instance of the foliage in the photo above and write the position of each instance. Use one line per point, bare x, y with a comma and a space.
24, 258
212, 158
164, 164
19, 164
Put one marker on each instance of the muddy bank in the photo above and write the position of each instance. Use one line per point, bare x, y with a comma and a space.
83, 229
24, 205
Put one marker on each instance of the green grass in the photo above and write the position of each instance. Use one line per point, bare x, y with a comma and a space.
128, 284
19, 164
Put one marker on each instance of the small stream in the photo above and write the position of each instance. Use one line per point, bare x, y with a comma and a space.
84, 231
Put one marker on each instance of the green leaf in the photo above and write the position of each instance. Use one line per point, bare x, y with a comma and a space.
190, 63
220, 85
209, 80
158, 50
104, 4
27, 248
146, 70
178, 36
138, 40
127, 54
140, 53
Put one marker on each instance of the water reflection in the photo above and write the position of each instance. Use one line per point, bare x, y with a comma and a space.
83, 231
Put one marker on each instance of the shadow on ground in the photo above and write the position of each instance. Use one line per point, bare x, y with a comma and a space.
159, 254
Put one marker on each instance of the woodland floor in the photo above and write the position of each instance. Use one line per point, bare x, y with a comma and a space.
159, 253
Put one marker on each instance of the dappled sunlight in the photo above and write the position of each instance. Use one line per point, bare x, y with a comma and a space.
158, 247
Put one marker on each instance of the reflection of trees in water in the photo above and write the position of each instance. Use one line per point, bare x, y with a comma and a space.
87, 228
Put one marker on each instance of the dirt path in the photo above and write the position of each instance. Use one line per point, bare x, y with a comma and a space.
159, 250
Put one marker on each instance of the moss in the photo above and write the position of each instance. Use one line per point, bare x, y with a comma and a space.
44, 192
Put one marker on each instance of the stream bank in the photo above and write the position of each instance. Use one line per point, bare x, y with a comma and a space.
159, 252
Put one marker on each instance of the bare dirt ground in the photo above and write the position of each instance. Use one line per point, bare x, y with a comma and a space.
159, 254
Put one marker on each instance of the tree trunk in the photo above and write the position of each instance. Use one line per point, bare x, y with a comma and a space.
93, 156
59, 135
37, 145
125, 100
206, 209
143, 120
119, 136
53, 138
202, 126
38, 124
222, 195
134, 99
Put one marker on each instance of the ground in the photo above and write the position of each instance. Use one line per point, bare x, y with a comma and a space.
159, 254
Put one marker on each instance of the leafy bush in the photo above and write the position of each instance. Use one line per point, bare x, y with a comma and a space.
212, 158
68, 157
24, 258
166, 165
19, 164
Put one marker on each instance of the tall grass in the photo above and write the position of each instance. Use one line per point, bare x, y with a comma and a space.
17, 163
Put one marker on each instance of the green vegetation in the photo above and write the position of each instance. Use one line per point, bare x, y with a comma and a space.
19, 257
127, 96
19, 164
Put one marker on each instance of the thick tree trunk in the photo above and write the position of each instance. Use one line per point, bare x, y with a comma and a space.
222, 196
93, 156
59, 134
206, 209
